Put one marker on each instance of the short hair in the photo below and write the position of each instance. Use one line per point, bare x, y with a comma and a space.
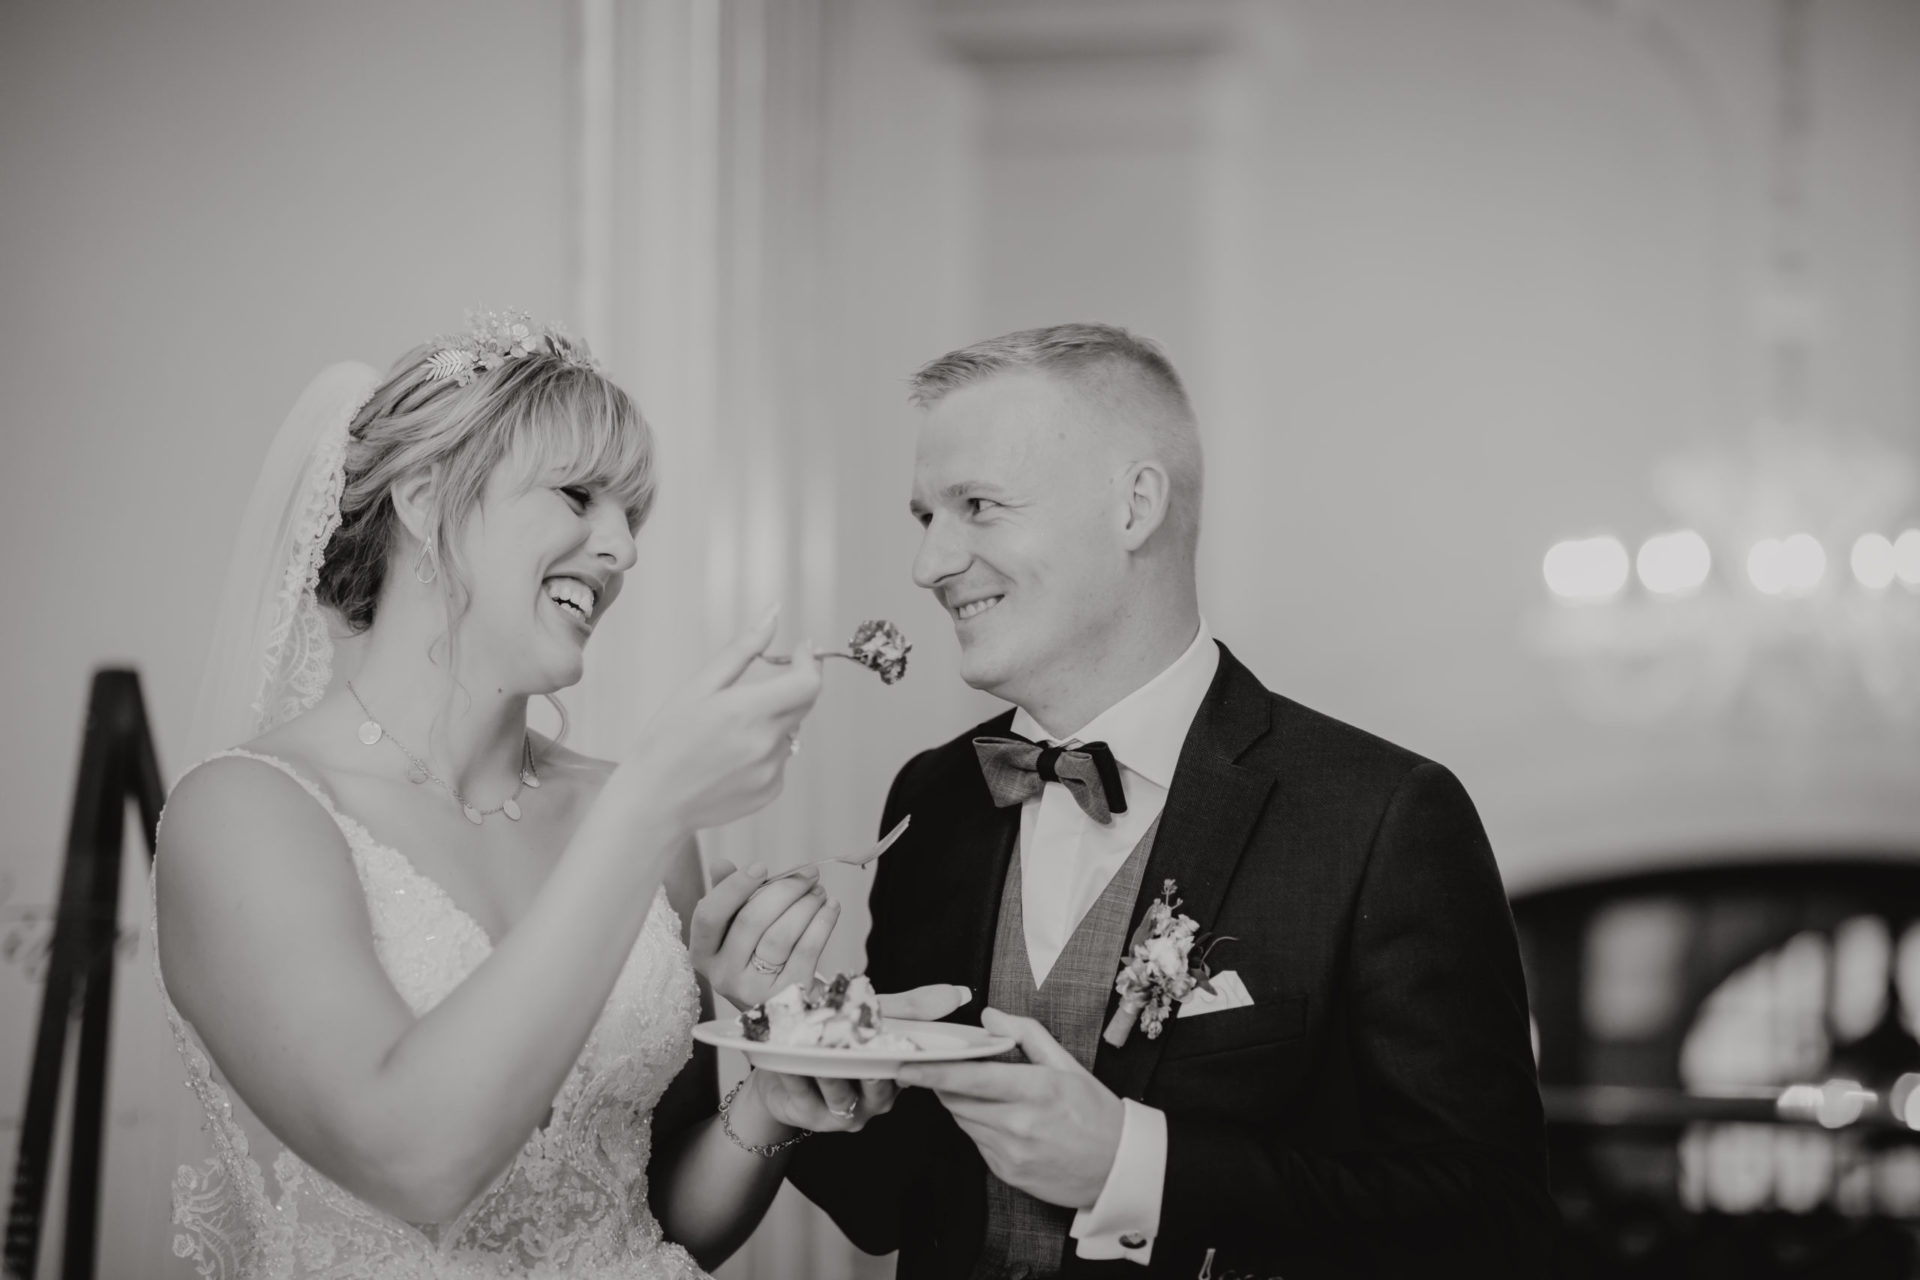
544, 409
1107, 361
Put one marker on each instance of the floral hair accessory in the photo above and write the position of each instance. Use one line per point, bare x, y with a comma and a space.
1160, 970
495, 337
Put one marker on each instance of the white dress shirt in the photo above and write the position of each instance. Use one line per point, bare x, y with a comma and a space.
1066, 862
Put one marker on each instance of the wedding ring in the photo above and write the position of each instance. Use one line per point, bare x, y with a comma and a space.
848, 1113
758, 965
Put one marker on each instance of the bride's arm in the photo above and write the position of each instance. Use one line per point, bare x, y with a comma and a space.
268, 951
707, 1193
706, 1189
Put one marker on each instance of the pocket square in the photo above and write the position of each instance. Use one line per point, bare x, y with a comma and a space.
1228, 993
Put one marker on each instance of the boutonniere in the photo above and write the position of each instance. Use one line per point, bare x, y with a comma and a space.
1161, 968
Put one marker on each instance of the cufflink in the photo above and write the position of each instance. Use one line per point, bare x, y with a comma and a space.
1133, 1240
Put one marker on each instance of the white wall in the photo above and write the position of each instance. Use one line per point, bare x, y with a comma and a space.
1482, 266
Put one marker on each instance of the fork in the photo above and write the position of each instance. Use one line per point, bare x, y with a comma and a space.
784, 659
860, 859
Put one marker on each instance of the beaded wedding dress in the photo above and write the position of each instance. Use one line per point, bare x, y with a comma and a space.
574, 1201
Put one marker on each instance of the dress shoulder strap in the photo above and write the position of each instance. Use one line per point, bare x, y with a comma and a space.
349, 828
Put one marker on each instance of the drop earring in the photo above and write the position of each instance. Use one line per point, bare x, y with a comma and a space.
430, 560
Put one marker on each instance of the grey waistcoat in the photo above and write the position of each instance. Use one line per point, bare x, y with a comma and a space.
1026, 1237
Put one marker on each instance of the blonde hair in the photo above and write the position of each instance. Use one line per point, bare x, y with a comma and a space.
544, 409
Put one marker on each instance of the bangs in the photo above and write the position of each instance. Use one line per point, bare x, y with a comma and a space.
577, 425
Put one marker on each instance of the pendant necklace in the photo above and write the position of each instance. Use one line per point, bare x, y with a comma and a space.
372, 731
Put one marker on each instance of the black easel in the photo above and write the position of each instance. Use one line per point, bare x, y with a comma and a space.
117, 764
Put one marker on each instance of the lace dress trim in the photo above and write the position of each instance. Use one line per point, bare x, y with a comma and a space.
573, 1202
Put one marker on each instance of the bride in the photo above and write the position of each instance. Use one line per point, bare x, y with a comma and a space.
424, 954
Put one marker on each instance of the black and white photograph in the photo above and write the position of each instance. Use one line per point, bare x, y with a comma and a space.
960, 639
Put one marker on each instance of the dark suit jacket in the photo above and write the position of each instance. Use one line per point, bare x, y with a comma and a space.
1374, 1112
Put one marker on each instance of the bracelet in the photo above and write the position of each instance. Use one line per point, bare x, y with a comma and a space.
726, 1124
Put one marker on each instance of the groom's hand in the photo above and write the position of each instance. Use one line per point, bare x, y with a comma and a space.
1047, 1126
924, 1004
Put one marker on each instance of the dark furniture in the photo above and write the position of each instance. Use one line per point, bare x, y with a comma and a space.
117, 765
1759, 1158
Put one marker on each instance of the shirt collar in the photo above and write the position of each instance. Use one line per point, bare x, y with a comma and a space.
1147, 728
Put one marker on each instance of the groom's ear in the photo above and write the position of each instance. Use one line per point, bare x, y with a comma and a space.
414, 501
1148, 492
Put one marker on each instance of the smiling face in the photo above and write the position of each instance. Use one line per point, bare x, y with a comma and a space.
1022, 508
543, 555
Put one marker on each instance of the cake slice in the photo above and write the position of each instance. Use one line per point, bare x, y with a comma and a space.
840, 1014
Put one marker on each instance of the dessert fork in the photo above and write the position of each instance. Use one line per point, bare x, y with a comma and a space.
860, 859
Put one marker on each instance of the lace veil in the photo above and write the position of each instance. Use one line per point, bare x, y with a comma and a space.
272, 656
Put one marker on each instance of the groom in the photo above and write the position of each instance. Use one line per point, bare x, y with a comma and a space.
1357, 1097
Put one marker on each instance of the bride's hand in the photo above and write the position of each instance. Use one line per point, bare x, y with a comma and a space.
719, 749
845, 1106
824, 1106
750, 939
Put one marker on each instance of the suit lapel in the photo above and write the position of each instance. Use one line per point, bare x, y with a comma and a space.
966, 868
1211, 810
994, 848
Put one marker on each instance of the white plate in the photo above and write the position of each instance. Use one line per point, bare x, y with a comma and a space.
938, 1041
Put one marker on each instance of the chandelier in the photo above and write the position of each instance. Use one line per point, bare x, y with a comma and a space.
1787, 579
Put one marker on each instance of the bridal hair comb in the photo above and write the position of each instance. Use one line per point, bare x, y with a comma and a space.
495, 337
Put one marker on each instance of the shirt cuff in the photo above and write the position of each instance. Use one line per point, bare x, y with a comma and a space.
1124, 1220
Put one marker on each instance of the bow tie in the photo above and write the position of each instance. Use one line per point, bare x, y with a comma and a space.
1018, 770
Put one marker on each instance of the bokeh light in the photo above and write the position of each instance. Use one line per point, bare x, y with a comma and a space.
1672, 564
1906, 557
1904, 1100
1873, 561
1776, 566
1586, 568
1805, 561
